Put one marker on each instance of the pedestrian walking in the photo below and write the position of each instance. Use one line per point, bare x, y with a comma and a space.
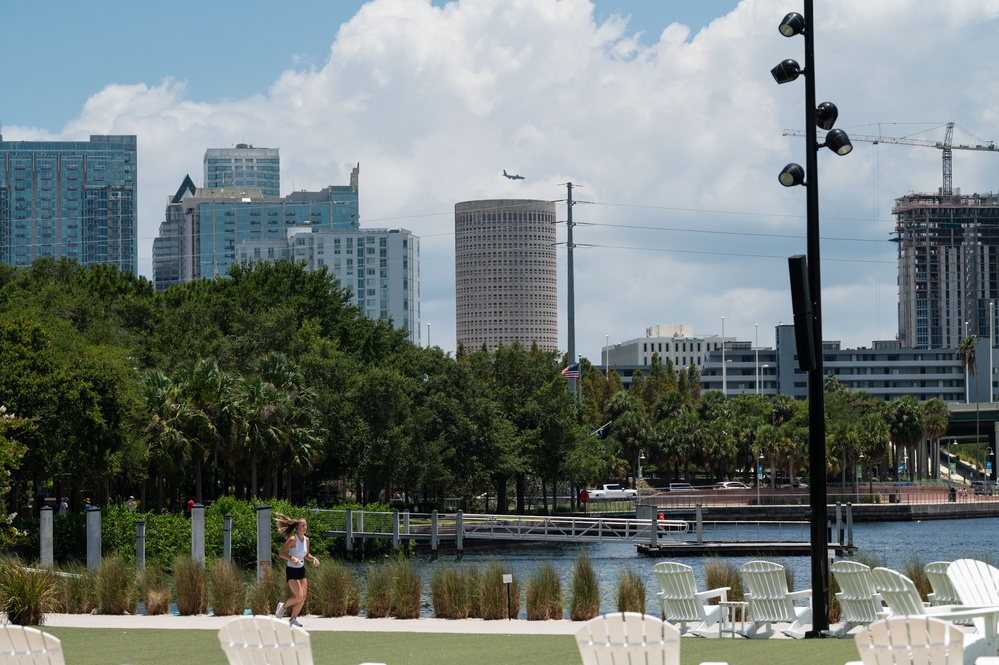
296, 552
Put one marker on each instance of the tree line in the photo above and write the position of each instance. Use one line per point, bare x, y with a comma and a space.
269, 383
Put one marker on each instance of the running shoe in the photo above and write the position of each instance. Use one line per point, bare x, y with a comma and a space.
294, 622
279, 612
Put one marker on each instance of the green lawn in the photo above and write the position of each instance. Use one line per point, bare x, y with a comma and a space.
106, 646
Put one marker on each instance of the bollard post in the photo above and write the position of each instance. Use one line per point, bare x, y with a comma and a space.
433, 536
700, 525
655, 530
395, 530
263, 540
849, 525
198, 533
227, 537
839, 523
459, 532
45, 546
348, 530
93, 538
140, 545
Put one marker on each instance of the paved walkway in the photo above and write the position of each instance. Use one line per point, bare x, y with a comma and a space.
358, 624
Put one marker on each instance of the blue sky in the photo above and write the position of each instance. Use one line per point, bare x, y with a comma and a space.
224, 50
671, 134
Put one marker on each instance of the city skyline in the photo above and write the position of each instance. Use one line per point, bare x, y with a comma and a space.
671, 137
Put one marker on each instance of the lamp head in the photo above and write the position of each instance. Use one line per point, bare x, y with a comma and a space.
825, 115
792, 24
838, 141
787, 71
792, 175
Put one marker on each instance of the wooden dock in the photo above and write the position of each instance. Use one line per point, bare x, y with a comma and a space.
652, 537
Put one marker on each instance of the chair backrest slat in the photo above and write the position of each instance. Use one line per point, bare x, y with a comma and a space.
911, 640
263, 640
628, 638
22, 645
976, 582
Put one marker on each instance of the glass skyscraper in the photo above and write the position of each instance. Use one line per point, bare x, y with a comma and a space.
203, 227
73, 199
244, 166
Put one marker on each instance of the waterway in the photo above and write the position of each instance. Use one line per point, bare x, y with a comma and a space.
893, 544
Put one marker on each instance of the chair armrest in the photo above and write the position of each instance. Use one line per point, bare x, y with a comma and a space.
720, 592
800, 595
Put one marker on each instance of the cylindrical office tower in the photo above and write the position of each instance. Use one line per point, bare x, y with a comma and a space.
505, 274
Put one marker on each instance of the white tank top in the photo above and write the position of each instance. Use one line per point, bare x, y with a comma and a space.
299, 551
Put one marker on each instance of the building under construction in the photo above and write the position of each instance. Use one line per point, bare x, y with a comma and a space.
948, 267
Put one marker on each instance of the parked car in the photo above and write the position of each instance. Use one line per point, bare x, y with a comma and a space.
731, 485
612, 491
681, 487
981, 487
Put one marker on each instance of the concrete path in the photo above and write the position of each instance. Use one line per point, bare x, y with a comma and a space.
358, 624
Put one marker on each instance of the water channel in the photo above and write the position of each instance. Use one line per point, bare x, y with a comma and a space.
893, 543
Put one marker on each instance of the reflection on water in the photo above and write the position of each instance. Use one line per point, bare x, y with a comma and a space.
893, 543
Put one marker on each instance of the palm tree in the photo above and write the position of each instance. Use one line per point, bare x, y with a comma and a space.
906, 427
168, 445
936, 417
966, 352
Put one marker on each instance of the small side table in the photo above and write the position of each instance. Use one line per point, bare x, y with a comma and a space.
727, 620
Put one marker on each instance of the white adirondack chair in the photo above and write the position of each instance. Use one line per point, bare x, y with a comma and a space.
770, 602
914, 640
904, 600
944, 592
629, 638
900, 593
682, 603
976, 582
859, 602
264, 640
20, 645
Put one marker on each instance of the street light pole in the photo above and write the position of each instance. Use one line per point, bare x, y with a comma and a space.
641, 456
759, 477
808, 308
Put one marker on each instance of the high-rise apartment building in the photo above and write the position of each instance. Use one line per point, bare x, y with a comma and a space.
244, 167
72, 199
203, 227
948, 267
505, 274
380, 267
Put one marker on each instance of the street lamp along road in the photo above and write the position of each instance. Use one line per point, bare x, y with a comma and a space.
806, 296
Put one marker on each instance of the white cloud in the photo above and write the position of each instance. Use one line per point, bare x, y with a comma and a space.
684, 133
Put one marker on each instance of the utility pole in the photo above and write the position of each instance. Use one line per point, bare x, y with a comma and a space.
570, 306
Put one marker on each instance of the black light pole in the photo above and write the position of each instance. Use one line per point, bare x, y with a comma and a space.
806, 289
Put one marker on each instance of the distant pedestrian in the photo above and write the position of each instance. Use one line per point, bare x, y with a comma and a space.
64, 506
130, 503
86, 504
190, 506
296, 552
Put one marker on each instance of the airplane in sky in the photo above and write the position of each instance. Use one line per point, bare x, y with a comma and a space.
511, 176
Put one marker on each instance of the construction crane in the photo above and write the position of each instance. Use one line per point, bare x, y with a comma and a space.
947, 145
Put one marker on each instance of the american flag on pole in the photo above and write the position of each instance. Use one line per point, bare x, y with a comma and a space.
571, 372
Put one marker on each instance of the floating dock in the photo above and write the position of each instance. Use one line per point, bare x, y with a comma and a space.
737, 548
